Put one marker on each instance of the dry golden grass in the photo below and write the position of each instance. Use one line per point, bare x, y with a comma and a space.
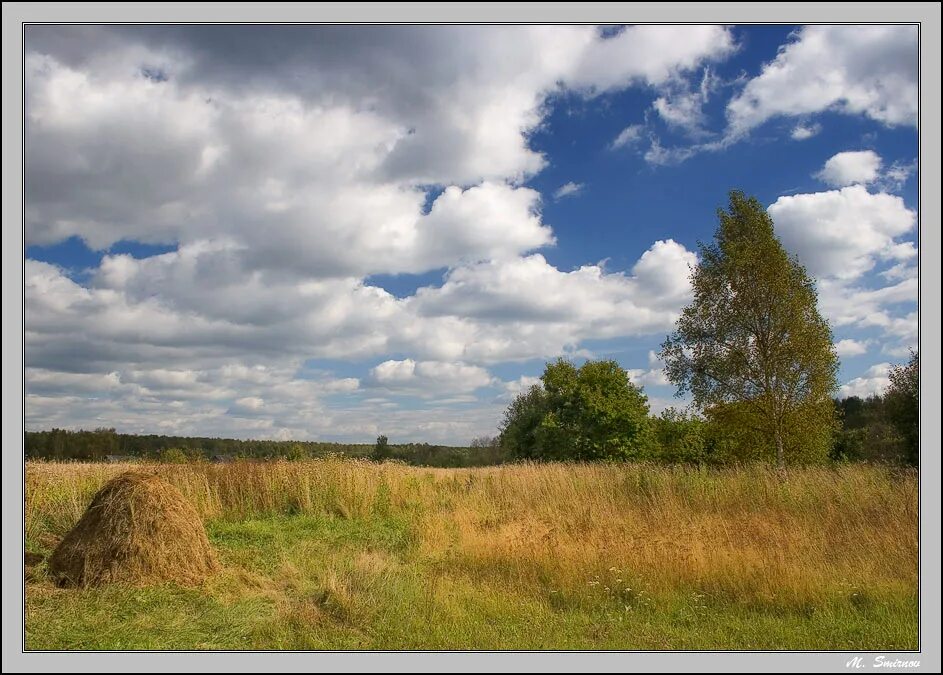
748, 535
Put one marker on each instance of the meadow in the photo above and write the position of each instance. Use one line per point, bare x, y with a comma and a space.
348, 554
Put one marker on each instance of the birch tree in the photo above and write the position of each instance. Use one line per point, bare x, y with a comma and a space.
752, 348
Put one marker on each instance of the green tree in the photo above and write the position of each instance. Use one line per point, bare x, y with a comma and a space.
521, 421
752, 348
381, 450
902, 400
868, 432
680, 438
588, 413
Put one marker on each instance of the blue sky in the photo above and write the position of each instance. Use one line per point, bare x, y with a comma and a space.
338, 232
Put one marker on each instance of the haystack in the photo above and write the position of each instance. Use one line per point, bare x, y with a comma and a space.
138, 530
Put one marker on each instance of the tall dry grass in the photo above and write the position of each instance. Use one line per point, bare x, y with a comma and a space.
746, 535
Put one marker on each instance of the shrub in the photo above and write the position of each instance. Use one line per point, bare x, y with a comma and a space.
174, 456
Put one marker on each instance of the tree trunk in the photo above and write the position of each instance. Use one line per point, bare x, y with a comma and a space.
780, 460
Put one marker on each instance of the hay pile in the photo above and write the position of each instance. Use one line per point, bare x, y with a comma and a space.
138, 530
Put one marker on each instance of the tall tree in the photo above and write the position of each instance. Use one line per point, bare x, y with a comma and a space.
752, 348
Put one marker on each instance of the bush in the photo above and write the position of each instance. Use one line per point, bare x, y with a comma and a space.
851, 445
296, 451
174, 456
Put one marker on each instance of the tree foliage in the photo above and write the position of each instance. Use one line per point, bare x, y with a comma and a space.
296, 451
752, 348
522, 420
903, 405
174, 456
681, 438
883, 427
588, 413
867, 432
381, 450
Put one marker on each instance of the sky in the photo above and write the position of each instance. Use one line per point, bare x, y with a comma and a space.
336, 232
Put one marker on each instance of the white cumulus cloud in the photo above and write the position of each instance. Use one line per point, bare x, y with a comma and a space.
854, 69
850, 347
873, 382
849, 168
842, 233
428, 378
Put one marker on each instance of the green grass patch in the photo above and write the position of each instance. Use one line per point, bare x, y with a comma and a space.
329, 582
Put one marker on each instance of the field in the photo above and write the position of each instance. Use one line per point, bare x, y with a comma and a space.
344, 554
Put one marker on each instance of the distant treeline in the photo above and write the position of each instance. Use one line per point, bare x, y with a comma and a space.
588, 413
99, 444
871, 431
